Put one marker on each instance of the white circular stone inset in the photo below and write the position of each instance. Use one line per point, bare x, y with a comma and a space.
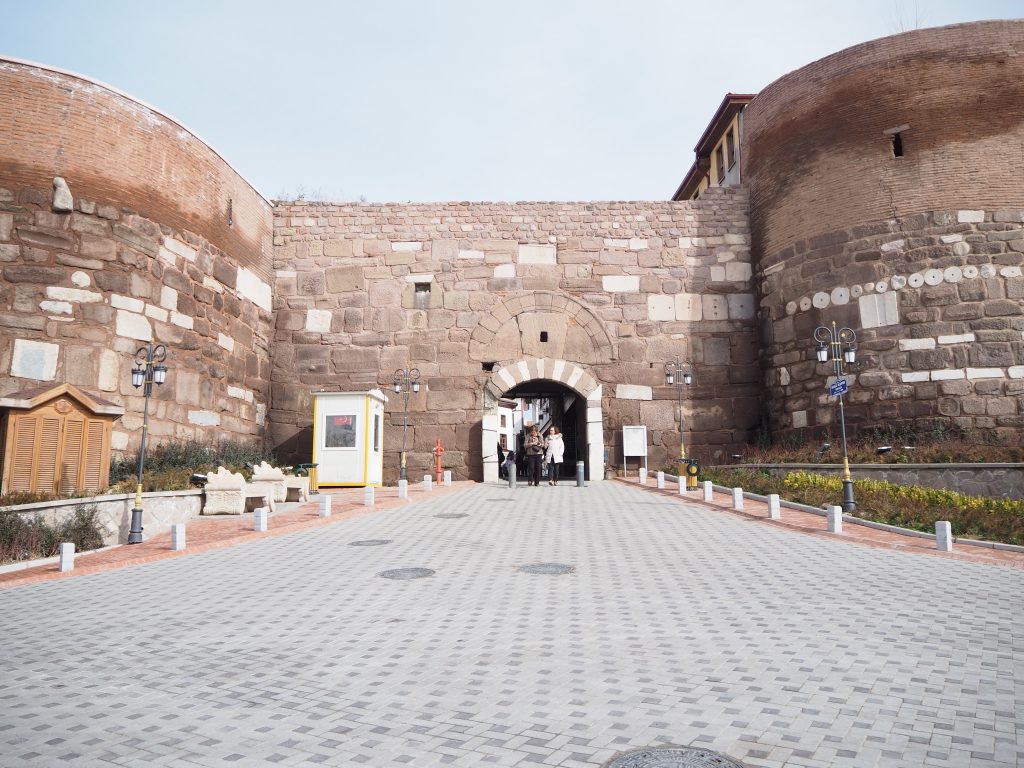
856, 291
1010, 271
916, 280
881, 286
987, 270
933, 276
961, 248
952, 274
869, 287
805, 304
840, 296
791, 308
820, 300
898, 281
970, 272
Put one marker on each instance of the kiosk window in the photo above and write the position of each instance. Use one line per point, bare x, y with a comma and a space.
376, 433
340, 431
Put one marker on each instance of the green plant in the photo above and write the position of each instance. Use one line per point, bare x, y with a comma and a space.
29, 538
170, 464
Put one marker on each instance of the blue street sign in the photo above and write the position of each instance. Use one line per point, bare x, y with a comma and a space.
838, 387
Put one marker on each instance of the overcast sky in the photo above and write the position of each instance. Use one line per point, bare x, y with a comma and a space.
430, 100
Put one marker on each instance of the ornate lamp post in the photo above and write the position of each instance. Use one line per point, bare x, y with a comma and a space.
840, 346
149, 369
680, 375
407, 380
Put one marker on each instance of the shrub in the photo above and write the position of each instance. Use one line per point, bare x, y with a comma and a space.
29, 538
169, 465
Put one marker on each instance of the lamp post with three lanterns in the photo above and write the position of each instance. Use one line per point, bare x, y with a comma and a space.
407, 381
839, 345
680, 375
149, 369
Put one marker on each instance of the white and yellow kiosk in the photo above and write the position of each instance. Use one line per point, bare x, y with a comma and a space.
348, 437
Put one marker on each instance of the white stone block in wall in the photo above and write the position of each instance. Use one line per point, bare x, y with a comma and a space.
594, 414
892, 245
948, 375
878, 310
213, 284
67, 556
835, 519
80, 279
469, 253
741, 306
133, 326
57, 293
633, 392
689, 307
594, 397
204, 418
181, 249
537, 254
425, 277
661, 307
717, 274
168, 255
118, 441
620, 283
251, 287
261, 414
1015, 371
913, 376
685, 242
799, 419
169, 298
610, 242
55, 307
738, 272
157, 313
637, 243
947, 239
225, 342
910, 344
970, 217
961, 338
108, 379
507, 271
409, 245
985, 373
319, 320
184, 321
715, 307
943, 536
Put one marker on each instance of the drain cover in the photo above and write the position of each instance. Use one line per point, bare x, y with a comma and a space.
406, 573
554, 569
672, 757
451, 515
369, 542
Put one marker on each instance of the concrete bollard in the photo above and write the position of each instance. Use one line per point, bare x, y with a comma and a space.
368, 496
581, 474
325, 506
835, 519
943, 536
660, 480
774, 507
428, 483
67, 557
403, 489
447, 477
709, 489
512, 476
259, 519
737, 498
643, 476
682, 485
178, 537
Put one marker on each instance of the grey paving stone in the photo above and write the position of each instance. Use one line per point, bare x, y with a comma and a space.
679, 625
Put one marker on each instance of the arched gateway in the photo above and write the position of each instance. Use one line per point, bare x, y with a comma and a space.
547, 373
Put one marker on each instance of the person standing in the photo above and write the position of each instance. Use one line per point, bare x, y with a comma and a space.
553, 456
534, 448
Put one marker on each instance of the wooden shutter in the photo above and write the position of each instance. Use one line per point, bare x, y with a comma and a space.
71, 456
48, 453
22, 459
92, 474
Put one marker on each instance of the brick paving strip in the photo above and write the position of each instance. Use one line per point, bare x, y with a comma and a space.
214, 532
817, 525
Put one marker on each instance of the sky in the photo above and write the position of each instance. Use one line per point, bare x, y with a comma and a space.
434, 100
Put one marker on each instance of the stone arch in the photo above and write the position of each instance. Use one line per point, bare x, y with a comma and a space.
508, 332
563, 372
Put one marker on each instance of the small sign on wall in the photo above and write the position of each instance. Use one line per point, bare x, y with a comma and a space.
634, 443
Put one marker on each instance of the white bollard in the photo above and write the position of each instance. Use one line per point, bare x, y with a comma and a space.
447, 477
737, 498
660, 479
709, 490
368, 497
403, 489
178, 537
682, 485
67, 556
259, 519
428, 483
943, 536
774, 507
643, 475
835, 519
325, 506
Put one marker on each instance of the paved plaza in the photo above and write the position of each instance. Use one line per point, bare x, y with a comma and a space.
678, 624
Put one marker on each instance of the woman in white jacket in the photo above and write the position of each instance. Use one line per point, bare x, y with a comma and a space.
553, 456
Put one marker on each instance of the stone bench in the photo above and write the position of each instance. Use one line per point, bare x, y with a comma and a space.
296, 488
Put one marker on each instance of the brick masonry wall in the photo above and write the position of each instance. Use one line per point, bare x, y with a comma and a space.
817, 159
937, 302
621, 288
81, 291
114, 150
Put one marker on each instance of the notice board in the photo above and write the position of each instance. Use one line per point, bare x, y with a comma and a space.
634, 441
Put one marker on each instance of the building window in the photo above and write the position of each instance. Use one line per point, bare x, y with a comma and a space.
504, 421
730, 148
504, 442
720, 165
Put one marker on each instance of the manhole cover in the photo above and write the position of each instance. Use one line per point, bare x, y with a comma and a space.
672, 757
369, 542
406, 573
451, 515
554, 569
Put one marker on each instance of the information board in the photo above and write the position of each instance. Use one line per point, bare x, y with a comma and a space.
634, 441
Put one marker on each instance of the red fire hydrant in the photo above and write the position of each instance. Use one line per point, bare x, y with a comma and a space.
438, 450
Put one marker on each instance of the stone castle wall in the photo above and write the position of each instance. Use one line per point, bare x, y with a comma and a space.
163, 241
459, 290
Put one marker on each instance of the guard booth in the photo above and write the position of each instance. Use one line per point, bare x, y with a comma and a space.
348, 437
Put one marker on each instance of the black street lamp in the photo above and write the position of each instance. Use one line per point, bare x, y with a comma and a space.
407, 381
840, 346
149, 369
680, 375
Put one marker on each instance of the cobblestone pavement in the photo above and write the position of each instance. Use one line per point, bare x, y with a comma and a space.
679, 625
